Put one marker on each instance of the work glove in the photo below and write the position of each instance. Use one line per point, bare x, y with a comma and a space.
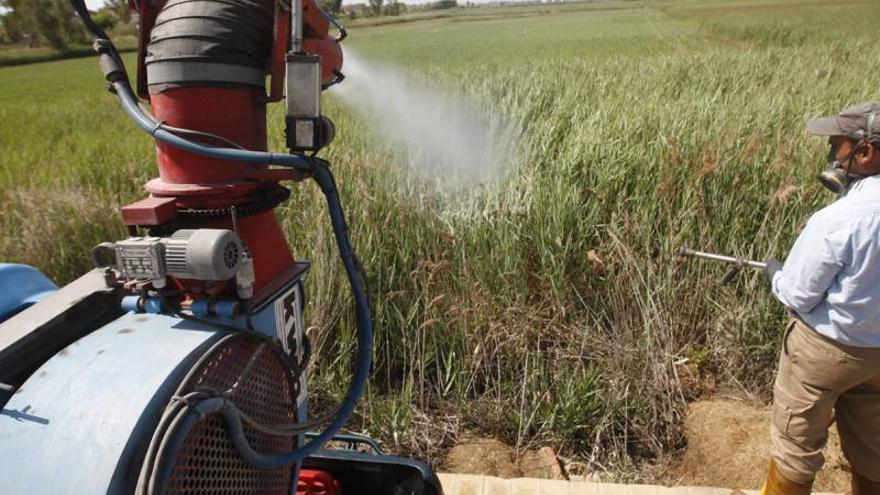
772, 267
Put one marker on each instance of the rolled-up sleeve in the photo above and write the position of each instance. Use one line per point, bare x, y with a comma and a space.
809, 269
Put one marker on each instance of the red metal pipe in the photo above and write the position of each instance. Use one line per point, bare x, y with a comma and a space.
237, 113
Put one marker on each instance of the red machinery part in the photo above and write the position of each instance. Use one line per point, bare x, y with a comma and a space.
316, 40
236, 112
330, 53
316, 482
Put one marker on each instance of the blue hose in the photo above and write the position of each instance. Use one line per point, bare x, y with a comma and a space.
356, 389
130, 105
324, 178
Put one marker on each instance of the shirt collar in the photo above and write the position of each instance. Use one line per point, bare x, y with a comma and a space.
869, 183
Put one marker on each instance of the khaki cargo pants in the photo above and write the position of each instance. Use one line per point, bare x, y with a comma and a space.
820, 380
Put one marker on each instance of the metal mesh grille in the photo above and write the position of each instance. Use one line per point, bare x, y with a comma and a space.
207, 463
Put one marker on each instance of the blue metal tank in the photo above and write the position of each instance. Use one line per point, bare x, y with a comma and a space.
83, 421
87, 415
20, 287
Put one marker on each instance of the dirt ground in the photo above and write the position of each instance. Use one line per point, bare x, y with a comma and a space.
727, 447
491, 457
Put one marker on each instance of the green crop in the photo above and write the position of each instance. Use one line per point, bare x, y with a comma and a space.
549, 307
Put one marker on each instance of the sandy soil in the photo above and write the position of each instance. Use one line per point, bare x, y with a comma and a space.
477, 455
727, 447
491, 457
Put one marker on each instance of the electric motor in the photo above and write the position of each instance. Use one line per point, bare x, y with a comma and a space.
202, 254
196, 254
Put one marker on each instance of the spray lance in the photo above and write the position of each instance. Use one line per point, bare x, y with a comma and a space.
737, 263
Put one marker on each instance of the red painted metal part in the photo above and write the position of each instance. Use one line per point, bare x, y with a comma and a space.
237, 114
198, 182
316, 482
317, 41
279, 50
331, 56
149, 211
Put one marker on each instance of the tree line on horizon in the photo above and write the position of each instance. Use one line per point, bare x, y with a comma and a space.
53, 22
376, 8
35, 23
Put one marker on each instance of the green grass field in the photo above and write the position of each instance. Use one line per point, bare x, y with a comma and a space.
550, 308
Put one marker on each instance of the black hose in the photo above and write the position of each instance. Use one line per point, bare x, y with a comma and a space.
110, 60
83, 11
210, 42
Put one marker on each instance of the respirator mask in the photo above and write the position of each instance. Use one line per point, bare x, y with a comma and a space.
835, 178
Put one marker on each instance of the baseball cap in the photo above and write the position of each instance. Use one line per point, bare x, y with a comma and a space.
859, 121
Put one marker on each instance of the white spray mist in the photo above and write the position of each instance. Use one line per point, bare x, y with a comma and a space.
449, 139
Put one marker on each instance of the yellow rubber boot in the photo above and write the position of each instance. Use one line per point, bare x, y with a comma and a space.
777, 484
864, 486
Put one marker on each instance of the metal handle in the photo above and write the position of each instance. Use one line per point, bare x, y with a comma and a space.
724, 259
296, 26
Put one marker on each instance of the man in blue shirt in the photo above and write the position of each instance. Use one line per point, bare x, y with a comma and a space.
829, 367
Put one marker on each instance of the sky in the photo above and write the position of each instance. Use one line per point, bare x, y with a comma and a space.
96, 4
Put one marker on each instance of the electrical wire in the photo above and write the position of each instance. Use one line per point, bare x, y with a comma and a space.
202, 134
295, 368
172, 410
192, 132
148, 123
332, 20
246, 371
185, 399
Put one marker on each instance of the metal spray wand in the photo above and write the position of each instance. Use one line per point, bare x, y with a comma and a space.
738, 263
